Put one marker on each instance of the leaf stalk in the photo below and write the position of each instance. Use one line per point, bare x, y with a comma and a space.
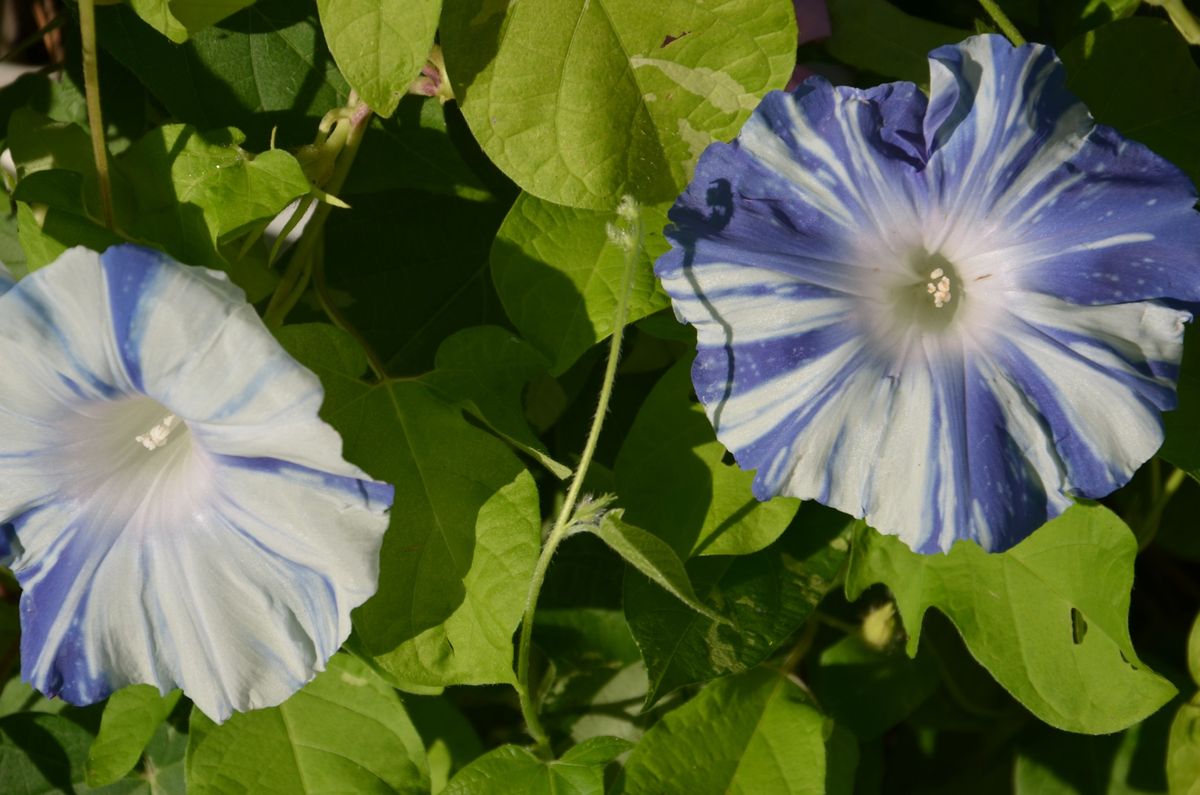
1003, 22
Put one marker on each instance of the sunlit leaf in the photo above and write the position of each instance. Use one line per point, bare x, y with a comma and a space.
1048, 618
618, 96
559, 276
380, 45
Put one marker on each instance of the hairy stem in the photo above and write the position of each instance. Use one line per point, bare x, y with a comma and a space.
529, 709
91, 84
1003, 22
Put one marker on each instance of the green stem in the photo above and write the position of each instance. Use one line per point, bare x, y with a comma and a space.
529, 709
1181, 18
1003, 22
1162, 496
347, 135
836, 623
803, 644
91, 84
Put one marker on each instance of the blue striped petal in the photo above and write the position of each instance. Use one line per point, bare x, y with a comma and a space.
1027, 182
179, 514
950, 316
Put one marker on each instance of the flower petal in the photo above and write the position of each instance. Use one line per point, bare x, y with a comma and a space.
240, 606
267, 402
999, 121
1115, 223
1097, 379
815, 166
1028, 183
224, 557
934, 316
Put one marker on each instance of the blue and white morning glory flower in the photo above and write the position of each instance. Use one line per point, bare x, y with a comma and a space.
178, 515
946, 315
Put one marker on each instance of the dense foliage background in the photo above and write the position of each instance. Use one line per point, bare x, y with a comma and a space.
455, 289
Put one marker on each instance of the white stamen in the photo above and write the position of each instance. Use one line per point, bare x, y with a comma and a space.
157, 436
939, 287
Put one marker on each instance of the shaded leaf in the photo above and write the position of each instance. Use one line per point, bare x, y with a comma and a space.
176, 188
672, 479
869, 690
1183, 750
766, 596
487, 368
1050, 762
596, 751
265, 70
41, 753
649, 555
406, 277
876, 36
1138, 75
450, 740
599, 680
185, 190
513, 769
465, 527
177, 19
1181, 445
756, 733
413, 150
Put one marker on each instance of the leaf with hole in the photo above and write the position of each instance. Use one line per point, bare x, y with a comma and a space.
1049, 618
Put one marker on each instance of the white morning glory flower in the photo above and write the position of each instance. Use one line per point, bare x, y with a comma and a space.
178, 515
946, 315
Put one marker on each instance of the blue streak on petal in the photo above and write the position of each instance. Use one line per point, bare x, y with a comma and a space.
1090, 475
131, 273
54, 607
752, 364
42, 317
374, 495
998, 497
